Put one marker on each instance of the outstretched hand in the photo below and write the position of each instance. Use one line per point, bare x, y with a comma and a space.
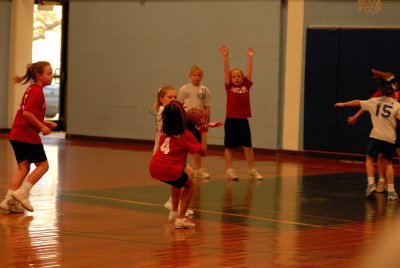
250, 52
224, 50
339, 104
216, 124
203, 128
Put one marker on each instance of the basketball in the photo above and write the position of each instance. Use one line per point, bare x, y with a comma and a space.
194, 116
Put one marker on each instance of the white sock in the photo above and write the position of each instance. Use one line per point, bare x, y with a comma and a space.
26, 186
382, 179
371, 180
9, 193
390, 187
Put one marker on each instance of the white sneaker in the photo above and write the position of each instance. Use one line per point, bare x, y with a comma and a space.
183, 223
172, 216
4, 204
168, 205
371, 188
254, 174
231, 174
23, 197
392, 195
201, 174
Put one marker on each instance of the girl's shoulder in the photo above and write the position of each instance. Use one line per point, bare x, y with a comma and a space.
34, 89
185, 86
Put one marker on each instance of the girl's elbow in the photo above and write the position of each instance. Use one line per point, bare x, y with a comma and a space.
26, 114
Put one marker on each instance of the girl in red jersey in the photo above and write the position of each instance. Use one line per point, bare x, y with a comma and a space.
24, 137
165, 95
237, 128
169, 162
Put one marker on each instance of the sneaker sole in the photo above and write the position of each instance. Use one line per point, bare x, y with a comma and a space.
4, 210
201, 177
184, 227
12, 205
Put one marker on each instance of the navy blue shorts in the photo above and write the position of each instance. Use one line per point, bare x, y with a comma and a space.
378, 146
237, 133
34, 153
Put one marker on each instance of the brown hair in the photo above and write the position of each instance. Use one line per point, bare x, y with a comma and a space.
161, 93
32, 71
194, 68
236, 69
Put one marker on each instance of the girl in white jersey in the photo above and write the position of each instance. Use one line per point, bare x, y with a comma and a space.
196, 95
384, 111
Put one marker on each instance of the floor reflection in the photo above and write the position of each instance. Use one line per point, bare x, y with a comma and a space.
17, 242
32, 242
98, 207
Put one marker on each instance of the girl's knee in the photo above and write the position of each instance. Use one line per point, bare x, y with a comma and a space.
43, 165
24, 166
189, 172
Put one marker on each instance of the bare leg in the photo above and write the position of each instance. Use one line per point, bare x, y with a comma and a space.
228, 158
381, 167
187, 193
389, 171
369, 166
19, 176
175, 195
249, 154
197, 161
38, 172
22, 193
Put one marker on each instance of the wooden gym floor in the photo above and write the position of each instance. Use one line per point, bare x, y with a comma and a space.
98, 207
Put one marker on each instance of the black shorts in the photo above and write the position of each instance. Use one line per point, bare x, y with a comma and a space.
180, 182
237, 133
34, 153
378, 146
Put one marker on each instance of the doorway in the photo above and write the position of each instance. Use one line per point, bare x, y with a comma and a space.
49, 44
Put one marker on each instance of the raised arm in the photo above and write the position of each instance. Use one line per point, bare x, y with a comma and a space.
249, 66
225, 52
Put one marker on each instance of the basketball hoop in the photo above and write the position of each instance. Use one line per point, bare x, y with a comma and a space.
369, 6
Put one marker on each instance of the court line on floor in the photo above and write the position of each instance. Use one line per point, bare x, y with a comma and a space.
218, 213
